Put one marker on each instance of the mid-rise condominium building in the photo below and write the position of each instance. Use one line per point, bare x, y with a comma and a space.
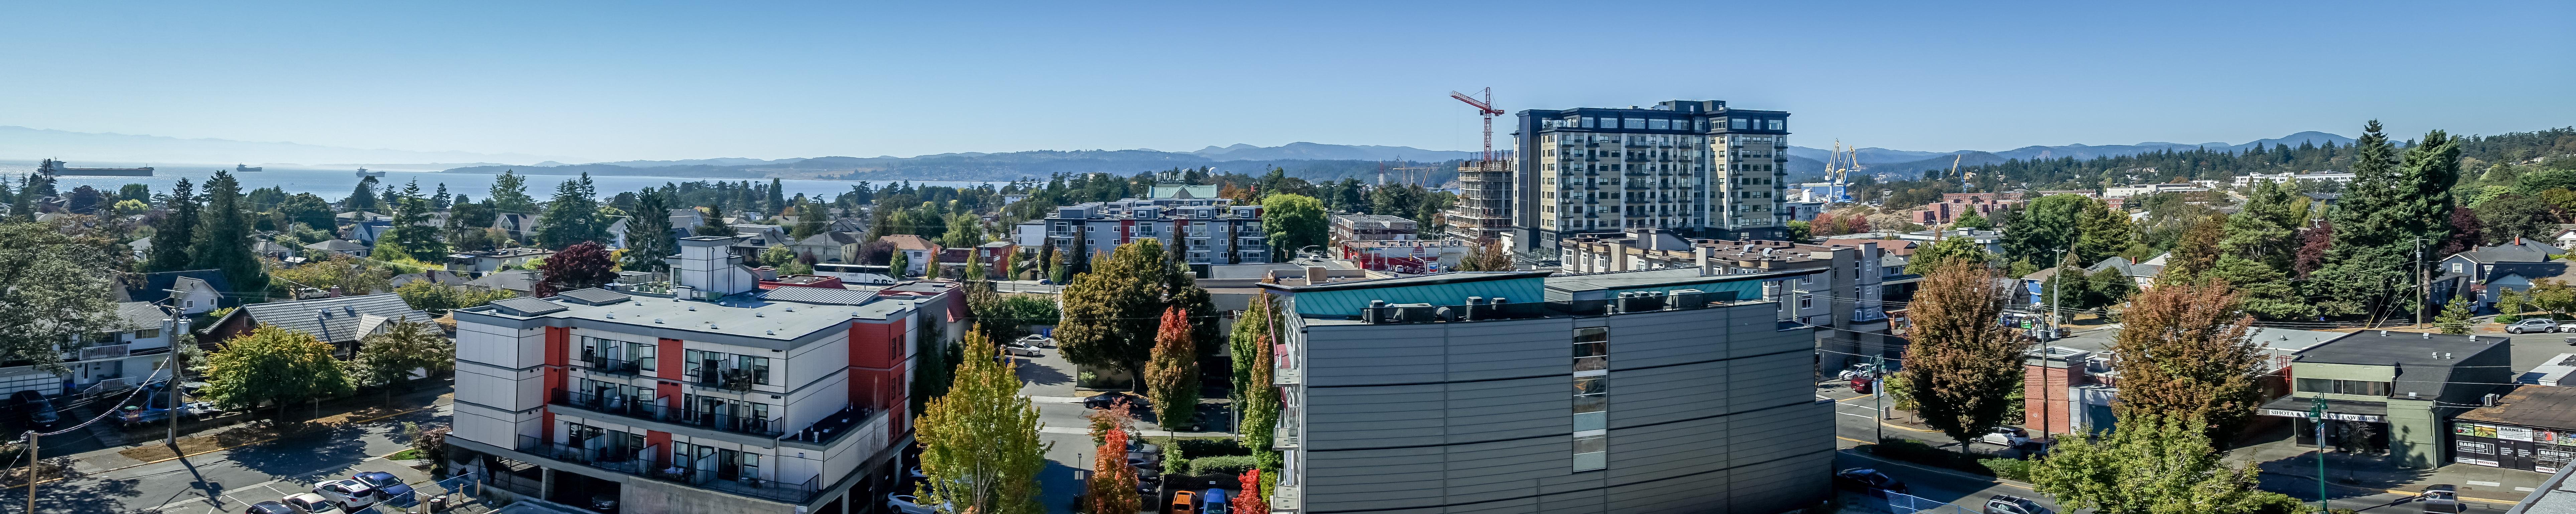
1675, 390
1213, 230
708, 395
1697, 167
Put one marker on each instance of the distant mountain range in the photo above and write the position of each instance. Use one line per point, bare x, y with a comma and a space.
1314, 161
33, 143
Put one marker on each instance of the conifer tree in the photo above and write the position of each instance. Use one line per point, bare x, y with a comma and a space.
648, 235
223, 236
572, 217
175, 232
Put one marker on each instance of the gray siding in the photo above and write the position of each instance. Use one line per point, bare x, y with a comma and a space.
1710, 411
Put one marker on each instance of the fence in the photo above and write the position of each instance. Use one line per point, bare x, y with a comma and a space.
1901, 503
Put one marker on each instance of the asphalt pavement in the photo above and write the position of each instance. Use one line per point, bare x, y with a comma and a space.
232, 480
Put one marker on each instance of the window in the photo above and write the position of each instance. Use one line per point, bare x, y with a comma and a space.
147, 333
1659, 124
1634, 123
1775, 124
1735, 123
1591, 452
1591, 378
2352, 387
2456, 267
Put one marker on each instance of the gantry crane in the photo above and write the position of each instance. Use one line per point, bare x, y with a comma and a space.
1483, 108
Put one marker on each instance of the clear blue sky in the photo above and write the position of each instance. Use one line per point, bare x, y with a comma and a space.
638, 80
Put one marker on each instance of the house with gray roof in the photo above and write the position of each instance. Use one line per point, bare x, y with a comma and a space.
341, 246
523, 281
340, 321
197, 291
2482, 273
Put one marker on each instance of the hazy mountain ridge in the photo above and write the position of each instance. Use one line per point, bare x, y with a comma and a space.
34, 143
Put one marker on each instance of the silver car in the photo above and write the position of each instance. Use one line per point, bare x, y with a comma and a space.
2532, 325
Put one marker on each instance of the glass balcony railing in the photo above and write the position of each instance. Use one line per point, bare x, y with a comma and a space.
638, 408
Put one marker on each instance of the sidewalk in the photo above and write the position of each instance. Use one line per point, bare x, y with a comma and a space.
2281, 461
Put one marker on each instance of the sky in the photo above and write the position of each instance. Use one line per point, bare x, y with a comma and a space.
604, 81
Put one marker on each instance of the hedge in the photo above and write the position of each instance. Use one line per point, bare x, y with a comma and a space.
1223, 465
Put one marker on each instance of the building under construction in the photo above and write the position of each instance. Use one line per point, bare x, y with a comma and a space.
1483, 210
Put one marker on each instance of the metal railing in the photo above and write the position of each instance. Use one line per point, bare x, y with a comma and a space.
1901, 503
613, 366
651, 410
647, 462
106, 351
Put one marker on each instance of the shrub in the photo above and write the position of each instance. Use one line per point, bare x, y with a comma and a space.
1223, 465
1916, 452
2015, 469
1210, 447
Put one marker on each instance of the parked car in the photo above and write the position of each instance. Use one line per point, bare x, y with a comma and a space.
40, 412
1020, 348
350, 494
1147, 483
1037, 341
1104, 400
1858, 372
2009, 437
386, 485
2009, 504
1869, 480
1213, 502
603, 502
2531, 325
309, 503
269, 507
2442, 498
905, 504
1183, 502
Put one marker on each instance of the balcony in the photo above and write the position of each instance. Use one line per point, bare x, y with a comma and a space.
1287, 377
638, 408
608, 366
730, 379
106, 352
705, 473
1287, 497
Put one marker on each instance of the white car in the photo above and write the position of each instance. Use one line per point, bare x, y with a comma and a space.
2009, 437
1021, 348
905, 504
309, 503
349, 493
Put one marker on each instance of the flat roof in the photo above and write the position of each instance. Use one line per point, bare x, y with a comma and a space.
739, 316
1454, 277
2531, 406
2410, 349
1657, 277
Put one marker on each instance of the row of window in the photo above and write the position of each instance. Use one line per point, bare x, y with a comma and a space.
2332, 386
1700, 124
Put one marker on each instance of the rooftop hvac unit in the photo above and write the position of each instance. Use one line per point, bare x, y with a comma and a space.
1689, 299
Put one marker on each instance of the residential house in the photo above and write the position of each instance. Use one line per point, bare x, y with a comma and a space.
1682, 392
523, 282
831, 247
517, 225
751, 238
997, 257
142, 247
354, 217
367, 232
1171, 191
917, 252
716, 397
193, 292
1030, 235
2482, 273
103, 363
494, 260
2566, 236
271, 250
341, 321
436, 276
341, 246
2400, 390
2142, 273
617, 233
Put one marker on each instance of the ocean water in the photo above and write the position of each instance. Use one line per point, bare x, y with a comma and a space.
335, 184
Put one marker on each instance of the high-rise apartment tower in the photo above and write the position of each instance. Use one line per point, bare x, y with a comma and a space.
1696, 167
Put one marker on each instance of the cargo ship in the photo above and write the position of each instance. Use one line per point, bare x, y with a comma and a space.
363, 173
60, 168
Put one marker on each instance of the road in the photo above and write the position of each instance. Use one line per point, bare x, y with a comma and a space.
231, 480
1025, 286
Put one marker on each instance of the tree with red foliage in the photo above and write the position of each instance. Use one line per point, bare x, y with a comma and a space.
580, 266
1172, 377
2313, 244
1250, 499
2466, 232
1113, 481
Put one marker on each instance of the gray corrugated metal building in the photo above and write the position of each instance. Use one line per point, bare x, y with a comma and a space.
1646, 391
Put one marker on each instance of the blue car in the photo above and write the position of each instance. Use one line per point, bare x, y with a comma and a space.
1213, 502
387, 486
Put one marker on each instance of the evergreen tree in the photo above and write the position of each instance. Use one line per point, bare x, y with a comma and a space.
777, 199
362, 199
648, 235
2265, 230
411, 235
2380, 219
509, 194
223, 236
440, 199
2044, 230
572, 217
175, 231
2455, 316
2105, 232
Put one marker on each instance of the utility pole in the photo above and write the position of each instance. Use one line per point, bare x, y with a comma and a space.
2423, 291
35, 465
2317, 415
176, 361
1878, 388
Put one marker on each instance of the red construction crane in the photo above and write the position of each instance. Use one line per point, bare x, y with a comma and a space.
1486, 109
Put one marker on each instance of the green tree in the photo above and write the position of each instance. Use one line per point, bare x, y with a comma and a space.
2105, 232
1973, 221
276, 367
1490, 256
1172, 376
1964, 361
2387, 209
648, 235
2046, 228
2185, 352
362, 199
387, 359
53, 290
1293, 223
777, 255
510, 194
2195, 253
899, 266
810, 220
411, 236
438, 298
2266, 230
1948, 251
1800, 229
1256, 398
223, 236
2455, 316
2152, 465
777, 199
2516, 216
175, 232
2266, 291
1111, 313
964, 231
2509, 306
572, 217
979, 443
